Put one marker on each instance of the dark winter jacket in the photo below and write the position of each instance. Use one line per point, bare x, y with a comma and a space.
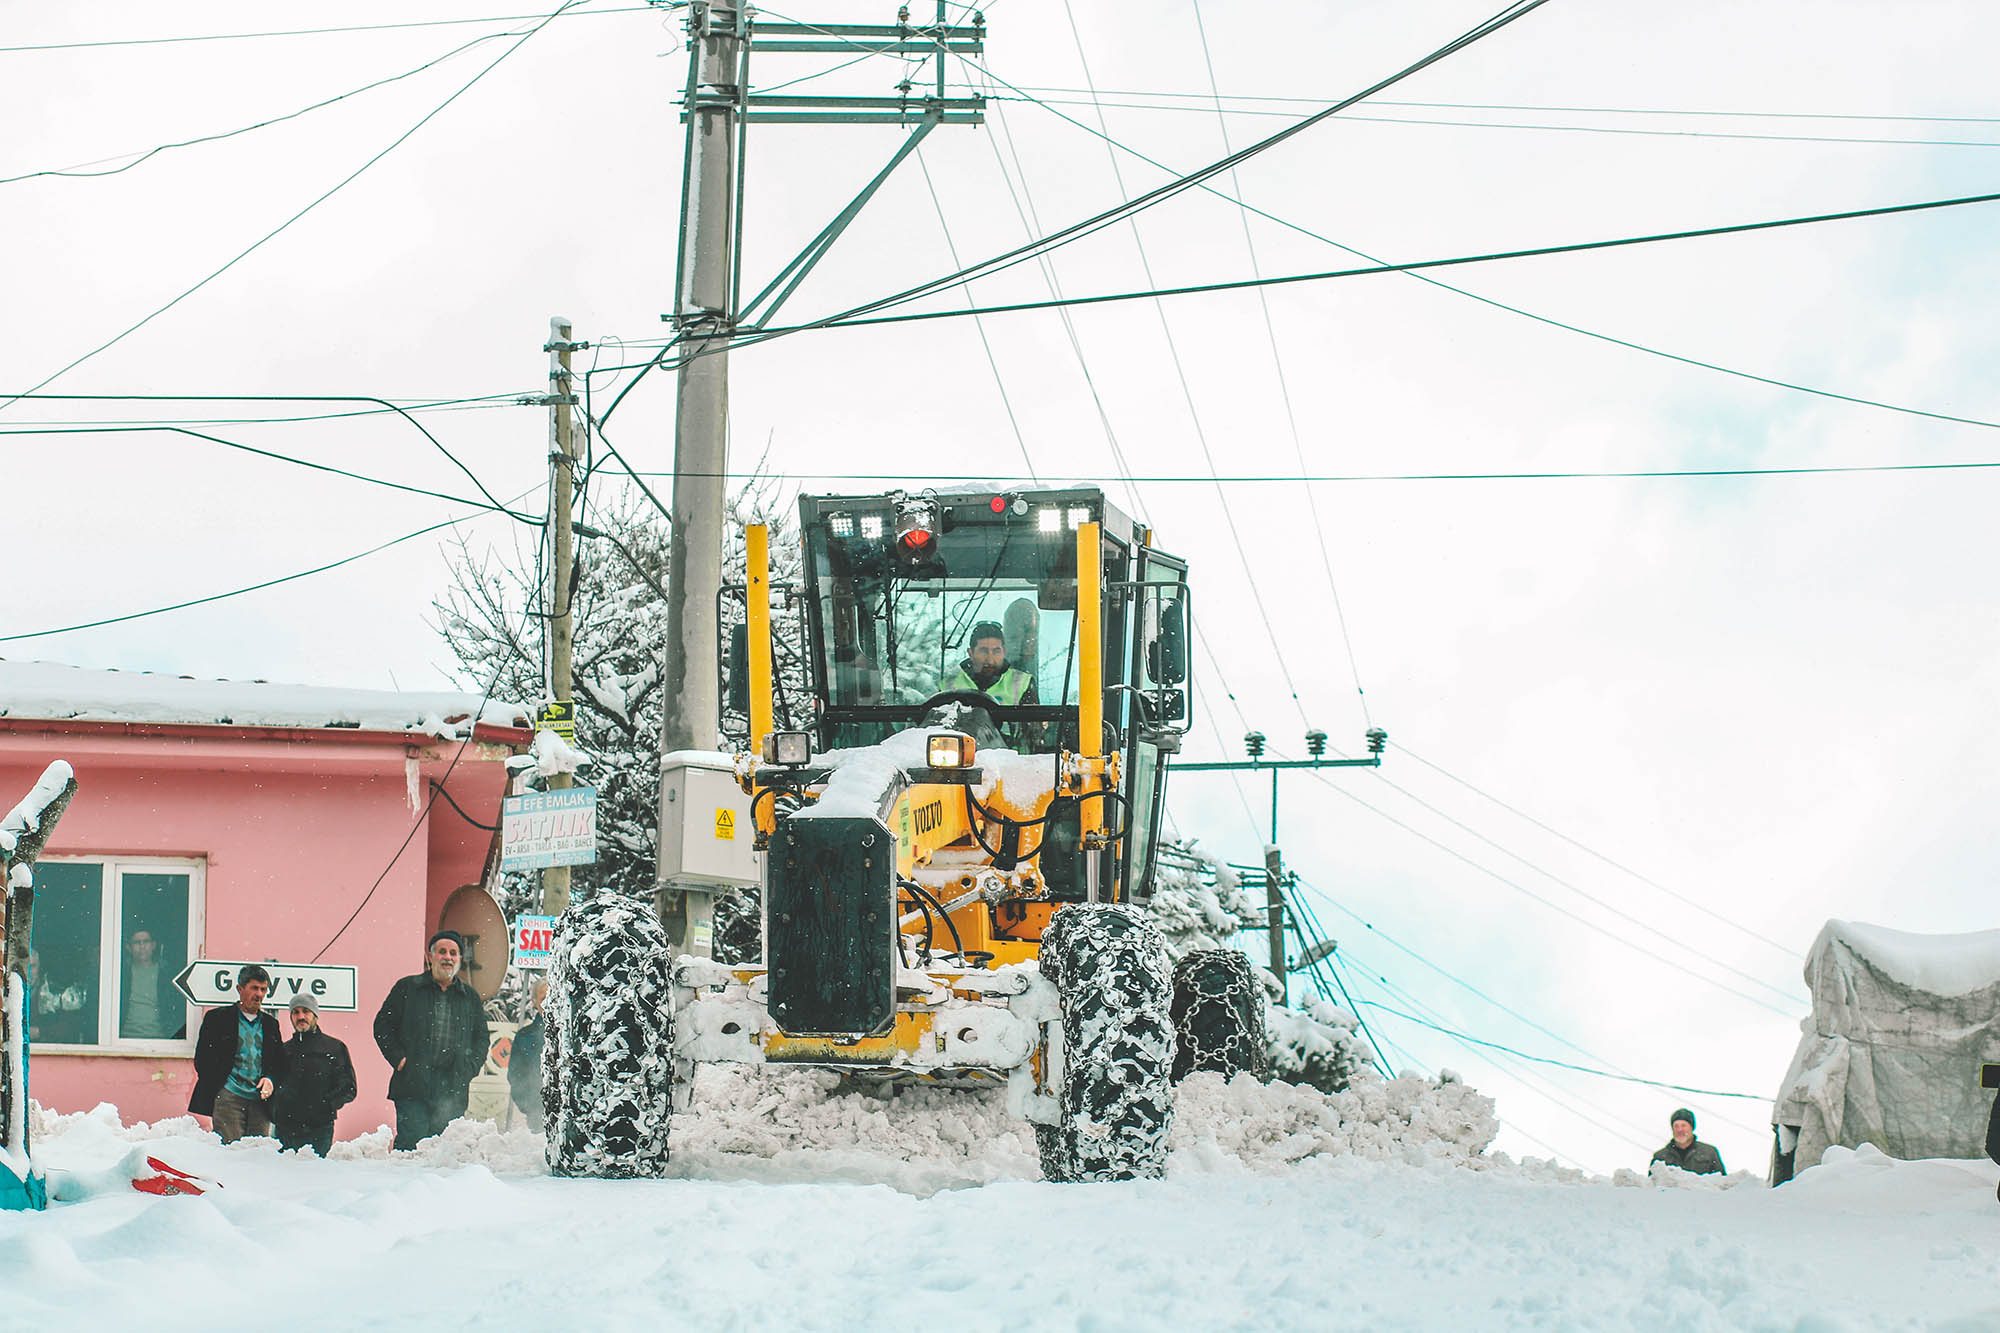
1993, 1131
441, 1033
215, 1054
524, 1066
320, 1081
1698, 1157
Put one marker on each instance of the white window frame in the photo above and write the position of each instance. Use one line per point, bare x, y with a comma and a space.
111, 953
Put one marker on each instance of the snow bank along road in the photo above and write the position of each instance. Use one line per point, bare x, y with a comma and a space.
796, 1207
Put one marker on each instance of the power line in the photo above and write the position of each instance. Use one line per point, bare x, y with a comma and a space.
1785, 949
1544, 110
384, 403
1581, 893
847, 321
1293, 478
1555, 907
314, 32
1278, 365
262, 124
1187, 396
244, 254
951, 247
1353, 118
1439, 283
483, 404
437, 790
1563, 1099
1512, 13
255, 587
1563, 1064
265, 453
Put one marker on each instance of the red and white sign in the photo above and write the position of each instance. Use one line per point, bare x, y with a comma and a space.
534, 936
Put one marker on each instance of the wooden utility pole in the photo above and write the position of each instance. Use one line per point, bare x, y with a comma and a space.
562, 621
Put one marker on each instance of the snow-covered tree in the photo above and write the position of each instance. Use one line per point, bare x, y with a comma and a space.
621, 632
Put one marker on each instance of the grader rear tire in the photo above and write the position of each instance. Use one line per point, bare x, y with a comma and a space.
607, 1065
1108, 963
1218, 1016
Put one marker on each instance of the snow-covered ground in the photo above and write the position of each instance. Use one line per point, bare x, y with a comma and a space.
794, 1206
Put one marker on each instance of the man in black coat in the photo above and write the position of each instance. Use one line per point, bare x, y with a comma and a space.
432, 1031
321, 1081
239, 1056
1686, 1151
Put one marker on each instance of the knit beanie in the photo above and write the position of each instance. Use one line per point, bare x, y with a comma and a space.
1682, 1114
303, 1000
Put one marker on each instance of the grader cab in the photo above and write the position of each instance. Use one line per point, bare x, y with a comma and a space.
957, 852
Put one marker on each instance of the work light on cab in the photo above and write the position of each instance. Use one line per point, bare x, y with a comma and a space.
949, 749
790, 748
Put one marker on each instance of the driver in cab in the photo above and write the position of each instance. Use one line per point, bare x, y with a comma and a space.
985, 670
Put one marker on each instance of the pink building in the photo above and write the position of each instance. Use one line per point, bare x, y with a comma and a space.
238, 821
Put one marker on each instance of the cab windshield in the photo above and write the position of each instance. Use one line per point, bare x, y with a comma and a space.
893, 634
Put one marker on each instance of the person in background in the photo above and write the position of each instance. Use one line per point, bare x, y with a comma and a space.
239, 1057
149, 1006
1686, 1151
431, 1029
57, 1014
524, 1065
321, 1081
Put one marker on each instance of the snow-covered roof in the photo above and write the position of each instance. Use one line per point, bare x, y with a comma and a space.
55, 692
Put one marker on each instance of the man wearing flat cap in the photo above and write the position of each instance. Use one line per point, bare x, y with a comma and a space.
1686, 1151
320, 1082
432, 1031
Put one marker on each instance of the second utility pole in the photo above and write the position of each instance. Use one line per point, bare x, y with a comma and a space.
562, 623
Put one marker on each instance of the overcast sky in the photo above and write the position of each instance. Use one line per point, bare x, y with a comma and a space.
1760, 702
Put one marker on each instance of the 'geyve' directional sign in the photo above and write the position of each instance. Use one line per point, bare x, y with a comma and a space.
212, 981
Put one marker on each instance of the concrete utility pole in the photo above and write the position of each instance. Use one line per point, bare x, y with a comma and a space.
709, 313
562, 624
704, 318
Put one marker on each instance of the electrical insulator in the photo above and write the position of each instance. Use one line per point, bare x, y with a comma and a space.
1254, 744
1377, 740
1315, 742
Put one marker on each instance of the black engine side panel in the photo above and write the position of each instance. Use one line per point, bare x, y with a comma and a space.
830, 901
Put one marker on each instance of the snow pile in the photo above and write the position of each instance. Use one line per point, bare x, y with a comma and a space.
1319, 1045
1268, 1126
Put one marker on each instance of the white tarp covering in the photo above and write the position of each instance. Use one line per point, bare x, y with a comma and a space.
1890, 1056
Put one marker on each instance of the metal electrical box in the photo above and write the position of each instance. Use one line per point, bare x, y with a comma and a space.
705, 828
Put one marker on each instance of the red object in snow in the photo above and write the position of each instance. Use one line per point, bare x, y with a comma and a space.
168, 1180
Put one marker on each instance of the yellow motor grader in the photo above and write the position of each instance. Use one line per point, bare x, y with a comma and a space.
956, 854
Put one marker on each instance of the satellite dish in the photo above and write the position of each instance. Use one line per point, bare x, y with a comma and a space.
476, 916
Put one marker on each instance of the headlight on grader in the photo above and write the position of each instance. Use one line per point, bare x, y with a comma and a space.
949, 749
790, 748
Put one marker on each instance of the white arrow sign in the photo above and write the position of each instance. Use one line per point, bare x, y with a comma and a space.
212, 981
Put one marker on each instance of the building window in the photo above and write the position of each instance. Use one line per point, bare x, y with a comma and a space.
109, 937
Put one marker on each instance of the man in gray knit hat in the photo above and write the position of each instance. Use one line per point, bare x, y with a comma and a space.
320, 1081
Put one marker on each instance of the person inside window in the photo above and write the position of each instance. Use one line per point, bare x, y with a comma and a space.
59, 1012
151, 1006
985, 670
